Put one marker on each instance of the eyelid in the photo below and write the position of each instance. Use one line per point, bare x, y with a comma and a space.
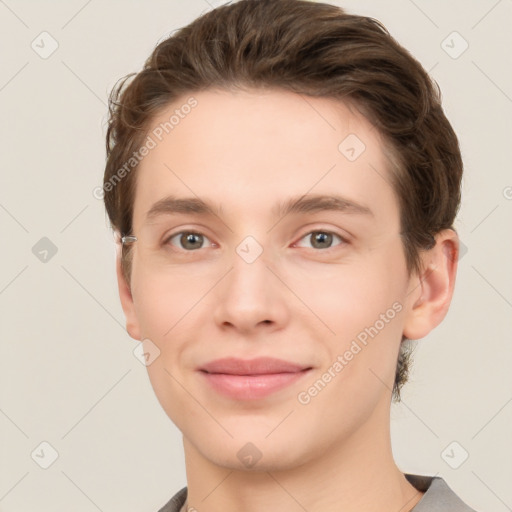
167, 238
344, 239
197, 229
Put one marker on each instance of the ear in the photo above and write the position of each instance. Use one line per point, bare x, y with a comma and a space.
125, 294
430, 291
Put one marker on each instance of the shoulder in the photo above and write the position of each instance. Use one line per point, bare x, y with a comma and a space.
438, 497
176, 502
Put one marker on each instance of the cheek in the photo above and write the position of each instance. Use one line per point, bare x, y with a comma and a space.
167, 384
163, 306
348, 298
161, 302
362, 303
376, 316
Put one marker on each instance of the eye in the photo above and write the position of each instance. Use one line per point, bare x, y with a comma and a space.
322, 239
188, 240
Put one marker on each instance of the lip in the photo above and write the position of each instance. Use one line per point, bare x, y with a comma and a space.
251, 379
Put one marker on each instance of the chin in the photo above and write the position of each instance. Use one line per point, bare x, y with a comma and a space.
256, 453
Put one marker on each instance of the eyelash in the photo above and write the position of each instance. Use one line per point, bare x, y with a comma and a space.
343, 240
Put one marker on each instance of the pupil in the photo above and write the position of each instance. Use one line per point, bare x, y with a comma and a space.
319, 238
323, 238
190, 238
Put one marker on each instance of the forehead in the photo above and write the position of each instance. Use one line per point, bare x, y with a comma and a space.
250, 150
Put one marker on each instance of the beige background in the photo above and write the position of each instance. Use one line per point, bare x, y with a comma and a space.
67, 371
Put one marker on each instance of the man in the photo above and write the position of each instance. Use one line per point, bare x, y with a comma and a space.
283, 183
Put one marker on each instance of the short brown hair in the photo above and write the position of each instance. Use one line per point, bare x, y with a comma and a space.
314, 49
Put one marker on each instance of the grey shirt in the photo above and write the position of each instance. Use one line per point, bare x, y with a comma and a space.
438, 497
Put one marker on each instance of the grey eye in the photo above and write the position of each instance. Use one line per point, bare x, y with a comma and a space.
321, 239
189, 240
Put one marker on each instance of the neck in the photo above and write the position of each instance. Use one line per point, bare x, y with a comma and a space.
357, 474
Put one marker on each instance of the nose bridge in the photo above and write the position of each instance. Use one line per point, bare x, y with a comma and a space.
249, 277
248, 295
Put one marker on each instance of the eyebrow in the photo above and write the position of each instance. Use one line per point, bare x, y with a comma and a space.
302, 204
318, 202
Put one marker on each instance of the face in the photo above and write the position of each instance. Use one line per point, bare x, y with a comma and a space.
274, 326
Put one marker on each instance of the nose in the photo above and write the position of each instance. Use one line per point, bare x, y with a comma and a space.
251, 298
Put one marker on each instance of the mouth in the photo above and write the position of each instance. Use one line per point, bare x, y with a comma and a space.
252, 379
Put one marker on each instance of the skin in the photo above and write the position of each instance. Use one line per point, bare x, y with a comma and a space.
248, 151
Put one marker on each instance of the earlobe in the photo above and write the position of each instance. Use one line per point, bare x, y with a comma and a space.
431, 291
125, 294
